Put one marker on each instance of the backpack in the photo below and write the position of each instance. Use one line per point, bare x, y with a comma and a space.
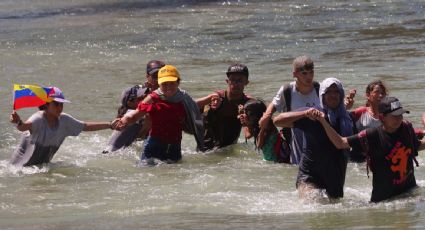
287, 94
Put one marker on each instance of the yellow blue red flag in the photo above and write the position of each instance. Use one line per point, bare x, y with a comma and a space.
26, 96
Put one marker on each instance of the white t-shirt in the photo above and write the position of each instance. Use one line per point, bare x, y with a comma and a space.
42, 143
298, 100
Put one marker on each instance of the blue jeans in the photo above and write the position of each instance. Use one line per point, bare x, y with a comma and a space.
154, 148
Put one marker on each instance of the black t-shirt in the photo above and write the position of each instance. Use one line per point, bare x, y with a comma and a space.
322, 164
391, 159
222, 126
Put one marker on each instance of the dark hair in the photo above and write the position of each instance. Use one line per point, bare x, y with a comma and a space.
254, 109
43, 107
371, 86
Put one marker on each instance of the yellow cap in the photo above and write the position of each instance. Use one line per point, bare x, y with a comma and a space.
168, 73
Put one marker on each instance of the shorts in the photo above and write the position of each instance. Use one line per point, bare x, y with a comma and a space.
154, 148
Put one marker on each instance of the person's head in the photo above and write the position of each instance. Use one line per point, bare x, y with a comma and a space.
303, 70
237, 78
391, 112
55, 100
152, 69
254, 110
375, 91
331, 93
168, 80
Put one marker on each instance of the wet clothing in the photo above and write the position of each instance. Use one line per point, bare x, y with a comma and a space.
167, 119
124, 138
155, 148
42, 142
322, 164
170, 116
222, 126
275, 149
391, 157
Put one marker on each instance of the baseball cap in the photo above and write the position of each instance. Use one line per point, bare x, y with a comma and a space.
168, 73
392, 106
132, 93
55, 94
237, 68
154, 66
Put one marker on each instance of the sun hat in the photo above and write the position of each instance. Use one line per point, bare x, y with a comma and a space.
392, 106
55, 94
168, 73
153, 66
237, 68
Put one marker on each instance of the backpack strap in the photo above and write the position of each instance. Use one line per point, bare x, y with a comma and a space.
316, 86
287, 94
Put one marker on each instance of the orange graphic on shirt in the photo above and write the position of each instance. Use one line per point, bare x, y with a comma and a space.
399, 161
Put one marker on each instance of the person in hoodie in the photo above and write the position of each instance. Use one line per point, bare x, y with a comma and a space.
322, 165
172, 111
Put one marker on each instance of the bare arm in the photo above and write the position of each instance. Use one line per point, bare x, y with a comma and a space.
287, 119
264, 120
336, 139
213, 98
95, 126
20, 125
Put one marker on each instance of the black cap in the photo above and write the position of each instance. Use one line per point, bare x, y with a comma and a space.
154, 66
237, 68
392, 106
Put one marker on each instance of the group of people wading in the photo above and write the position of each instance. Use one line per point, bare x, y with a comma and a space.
315, 128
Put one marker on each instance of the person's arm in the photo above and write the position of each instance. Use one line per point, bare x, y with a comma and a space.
213, 99
287, 119
20, 125
95, 126
336, 139
264, 120
349, 99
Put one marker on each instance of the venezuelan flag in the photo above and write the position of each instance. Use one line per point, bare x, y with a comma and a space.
26, 96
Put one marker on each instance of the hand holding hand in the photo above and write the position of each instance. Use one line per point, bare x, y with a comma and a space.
314, 114
215, 101
118, 124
